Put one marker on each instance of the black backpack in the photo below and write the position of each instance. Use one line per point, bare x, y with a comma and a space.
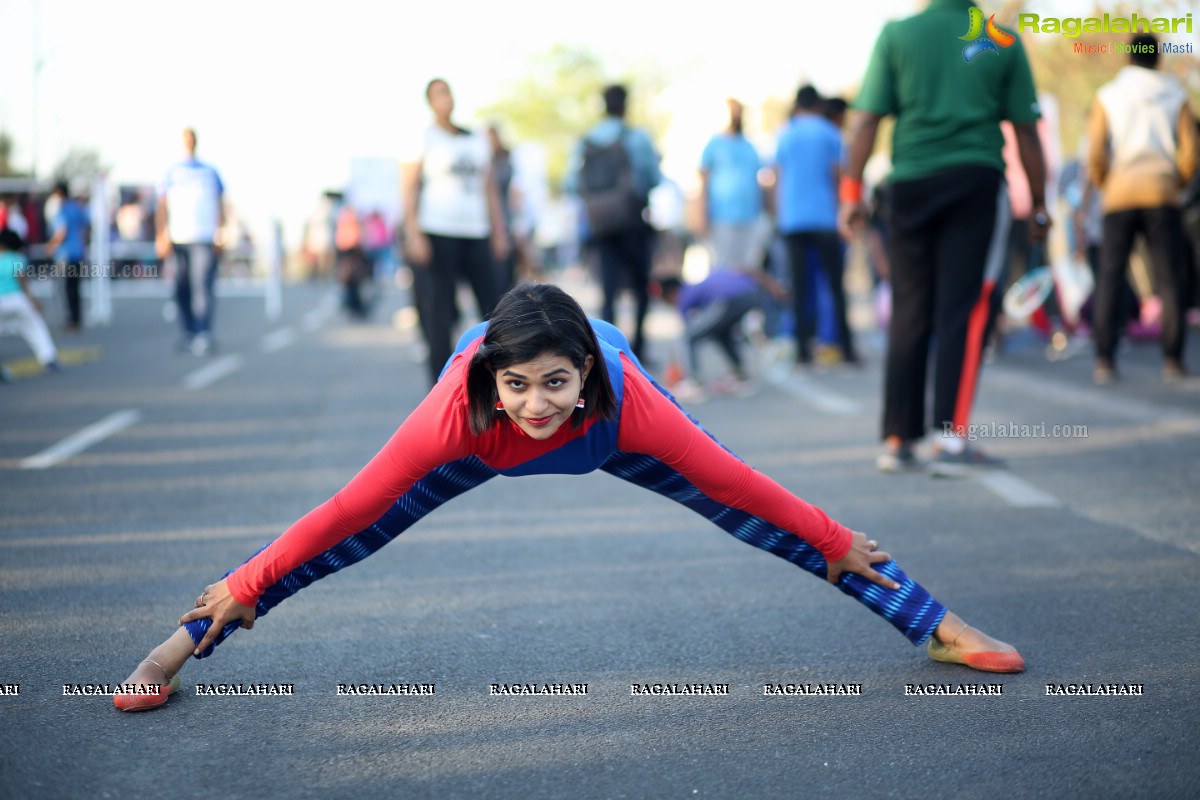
606, 187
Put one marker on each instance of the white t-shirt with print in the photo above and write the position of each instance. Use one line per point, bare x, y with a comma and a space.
453, 190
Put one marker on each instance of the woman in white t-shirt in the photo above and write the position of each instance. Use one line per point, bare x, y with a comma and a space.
454, 227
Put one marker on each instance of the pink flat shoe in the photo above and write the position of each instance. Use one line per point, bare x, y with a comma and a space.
984, 662
987, 661
136, 701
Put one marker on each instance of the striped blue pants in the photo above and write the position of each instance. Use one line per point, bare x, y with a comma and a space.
910, 608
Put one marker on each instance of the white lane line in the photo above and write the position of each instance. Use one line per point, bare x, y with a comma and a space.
80, 441
313, 319
316, 317
210, 374
1089, 398
1016, 492
815, 395
277, 340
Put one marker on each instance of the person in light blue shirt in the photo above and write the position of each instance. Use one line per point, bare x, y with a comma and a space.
625, 254
807, 163
731, 195
68, 244
189, 217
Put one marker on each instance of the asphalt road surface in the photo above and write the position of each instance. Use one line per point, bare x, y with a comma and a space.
1083, 553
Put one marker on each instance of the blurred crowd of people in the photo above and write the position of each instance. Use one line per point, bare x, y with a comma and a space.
180, 229
950, 225
761, 268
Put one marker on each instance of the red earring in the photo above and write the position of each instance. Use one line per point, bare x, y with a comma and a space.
580, 403
499, 406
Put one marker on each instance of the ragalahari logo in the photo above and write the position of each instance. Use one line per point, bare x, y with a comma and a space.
991, 34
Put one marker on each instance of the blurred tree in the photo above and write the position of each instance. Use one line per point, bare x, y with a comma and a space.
559, 99
1073, 78
776, 111
79, 168
7, 170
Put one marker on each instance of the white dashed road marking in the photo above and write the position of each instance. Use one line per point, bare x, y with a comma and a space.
78, 442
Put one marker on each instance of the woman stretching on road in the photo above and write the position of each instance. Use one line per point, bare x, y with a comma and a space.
542, 389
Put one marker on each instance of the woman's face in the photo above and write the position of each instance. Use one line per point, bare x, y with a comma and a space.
440, 99
540, 395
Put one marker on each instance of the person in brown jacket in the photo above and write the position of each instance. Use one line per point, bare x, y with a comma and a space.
1141, 152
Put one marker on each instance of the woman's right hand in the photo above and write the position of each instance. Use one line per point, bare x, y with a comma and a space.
218, 604
417, 249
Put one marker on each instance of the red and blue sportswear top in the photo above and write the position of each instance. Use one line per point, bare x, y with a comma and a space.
438, 432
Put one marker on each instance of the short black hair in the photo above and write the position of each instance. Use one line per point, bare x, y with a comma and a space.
529, 320
60, 187
614, 100
434, 82
1144, 51
10, 240
668, 286
807, 97
835, 106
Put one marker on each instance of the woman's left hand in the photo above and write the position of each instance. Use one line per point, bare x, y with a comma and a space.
864, 553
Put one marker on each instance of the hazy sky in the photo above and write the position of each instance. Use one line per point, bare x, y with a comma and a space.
283, 97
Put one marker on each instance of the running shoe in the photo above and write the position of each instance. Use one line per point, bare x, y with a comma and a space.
898, 460
954, 465
1174, 372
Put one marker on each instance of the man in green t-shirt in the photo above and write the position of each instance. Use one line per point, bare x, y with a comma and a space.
948, 79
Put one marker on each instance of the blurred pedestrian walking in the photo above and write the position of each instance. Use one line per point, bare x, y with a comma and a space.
454, 223
1142, 152
1191, 230
190, 214
353, 268
949, 211
808, 161
68, 247
502, 175
731, 197
615, 167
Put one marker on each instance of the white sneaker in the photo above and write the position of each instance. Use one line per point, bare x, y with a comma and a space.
732, 386
688, 391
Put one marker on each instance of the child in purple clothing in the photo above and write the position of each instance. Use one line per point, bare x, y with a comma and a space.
713, 309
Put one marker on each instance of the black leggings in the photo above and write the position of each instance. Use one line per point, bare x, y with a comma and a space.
436, 285
627, 255
1163, 230
829, 251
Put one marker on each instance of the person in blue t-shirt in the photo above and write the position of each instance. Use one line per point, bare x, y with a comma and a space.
808, 159
731, 196
68, 244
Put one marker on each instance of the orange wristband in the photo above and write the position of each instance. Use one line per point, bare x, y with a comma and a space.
850, 190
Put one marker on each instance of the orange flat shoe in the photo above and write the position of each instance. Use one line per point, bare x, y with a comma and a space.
130, 701
988, 661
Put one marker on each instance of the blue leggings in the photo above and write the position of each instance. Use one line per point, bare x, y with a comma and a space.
910, 609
